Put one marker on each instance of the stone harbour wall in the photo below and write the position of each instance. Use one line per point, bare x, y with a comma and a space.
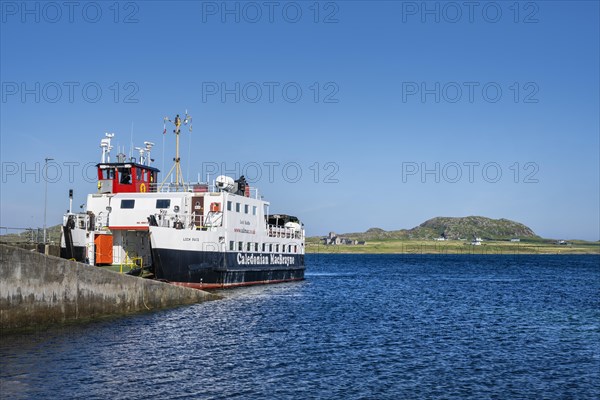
40, 290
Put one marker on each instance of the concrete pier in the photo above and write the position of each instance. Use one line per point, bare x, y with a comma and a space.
39, 290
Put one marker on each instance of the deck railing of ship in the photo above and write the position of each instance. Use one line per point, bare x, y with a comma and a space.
171, 187
180, 221
283, 232
187, 221
195, 187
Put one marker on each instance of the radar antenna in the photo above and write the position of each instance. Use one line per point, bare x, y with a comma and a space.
176, 166
148, 150
142, 151
145, 153
106, 147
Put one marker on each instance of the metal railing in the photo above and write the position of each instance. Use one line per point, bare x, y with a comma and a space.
283, 232
188, 221
169, 187
177, 221
181, 221
193, 187
131, 262
191, 221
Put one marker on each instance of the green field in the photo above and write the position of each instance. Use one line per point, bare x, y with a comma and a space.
395, 246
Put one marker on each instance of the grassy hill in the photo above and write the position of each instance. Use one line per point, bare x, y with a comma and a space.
453, 228
496, 234
467, 227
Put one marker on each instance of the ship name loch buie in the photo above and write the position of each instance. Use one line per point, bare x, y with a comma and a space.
273, 259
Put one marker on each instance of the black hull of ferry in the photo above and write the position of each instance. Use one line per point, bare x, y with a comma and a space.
215, 270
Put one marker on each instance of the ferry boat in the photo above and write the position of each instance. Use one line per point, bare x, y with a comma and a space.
198, 235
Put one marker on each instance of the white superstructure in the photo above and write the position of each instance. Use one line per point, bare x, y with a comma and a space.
187, 233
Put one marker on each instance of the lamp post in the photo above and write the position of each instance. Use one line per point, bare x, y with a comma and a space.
44, 175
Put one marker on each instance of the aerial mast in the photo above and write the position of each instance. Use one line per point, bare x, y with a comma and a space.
106, 147
177, 165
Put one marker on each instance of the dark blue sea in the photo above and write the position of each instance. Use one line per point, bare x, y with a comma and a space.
359, 327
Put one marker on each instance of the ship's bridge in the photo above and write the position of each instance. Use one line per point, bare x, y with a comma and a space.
126, 178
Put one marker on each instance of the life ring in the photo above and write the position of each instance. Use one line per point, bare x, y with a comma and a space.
143, 188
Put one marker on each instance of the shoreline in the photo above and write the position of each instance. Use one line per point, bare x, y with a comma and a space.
455, 247
457, 253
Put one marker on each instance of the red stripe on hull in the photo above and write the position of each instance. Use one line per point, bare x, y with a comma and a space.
128, 228
203, 286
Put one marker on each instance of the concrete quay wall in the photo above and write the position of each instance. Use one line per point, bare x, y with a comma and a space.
39, 290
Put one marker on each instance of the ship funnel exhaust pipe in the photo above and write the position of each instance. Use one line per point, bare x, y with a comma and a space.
70, 201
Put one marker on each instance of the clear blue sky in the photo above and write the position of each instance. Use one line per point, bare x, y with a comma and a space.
389, 89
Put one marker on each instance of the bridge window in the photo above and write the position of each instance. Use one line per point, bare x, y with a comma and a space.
127, 203
124, 175
253, 210
246, 208
240, 246
237, 207
231, 245
163, 203
228, 206
108, 173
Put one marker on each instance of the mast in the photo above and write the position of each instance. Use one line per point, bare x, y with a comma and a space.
177, 160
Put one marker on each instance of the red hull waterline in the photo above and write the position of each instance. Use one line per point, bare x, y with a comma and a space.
208, 286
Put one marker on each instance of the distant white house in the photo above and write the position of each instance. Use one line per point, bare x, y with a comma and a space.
515, 240
334, 239
476, 241
441, 238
